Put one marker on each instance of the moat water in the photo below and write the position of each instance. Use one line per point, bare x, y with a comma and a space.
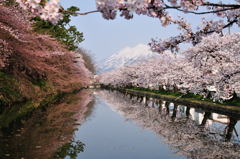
106, 124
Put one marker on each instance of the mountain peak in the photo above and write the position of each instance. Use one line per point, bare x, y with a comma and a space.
127, 56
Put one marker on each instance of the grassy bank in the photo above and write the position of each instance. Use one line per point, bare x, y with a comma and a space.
229, 107
233, 102
19, 97
188, 99
9, 92
35, 69
14, 114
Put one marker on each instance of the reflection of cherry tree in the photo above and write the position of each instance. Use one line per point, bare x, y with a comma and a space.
49, 133
174, 124
210, 66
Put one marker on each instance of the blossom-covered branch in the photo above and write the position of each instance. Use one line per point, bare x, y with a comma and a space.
228, 13
210, 68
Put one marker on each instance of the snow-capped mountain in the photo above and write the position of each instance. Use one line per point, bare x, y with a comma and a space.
125, 57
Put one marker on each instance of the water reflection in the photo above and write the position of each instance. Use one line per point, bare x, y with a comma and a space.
48, 133
193, 132
70, 150
58, 131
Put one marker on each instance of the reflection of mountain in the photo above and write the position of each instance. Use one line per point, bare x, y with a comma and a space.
174, 123
127, 56
48, 132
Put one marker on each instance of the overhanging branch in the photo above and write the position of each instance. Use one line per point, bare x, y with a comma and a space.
77, 13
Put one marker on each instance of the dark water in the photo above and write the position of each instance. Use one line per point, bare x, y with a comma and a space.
113, 125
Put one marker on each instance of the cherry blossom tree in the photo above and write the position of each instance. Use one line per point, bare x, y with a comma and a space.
217, 58
211, 65
47, 10
226, 12
210, 68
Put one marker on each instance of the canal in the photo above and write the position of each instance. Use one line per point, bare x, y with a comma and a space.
105, 124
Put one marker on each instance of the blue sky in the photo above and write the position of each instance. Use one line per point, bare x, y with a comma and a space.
106, 37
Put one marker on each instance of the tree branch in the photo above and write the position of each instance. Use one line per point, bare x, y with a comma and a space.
221, 5
85, 13
76, 13
200, 13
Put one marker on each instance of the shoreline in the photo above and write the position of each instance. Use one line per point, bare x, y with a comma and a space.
220, 108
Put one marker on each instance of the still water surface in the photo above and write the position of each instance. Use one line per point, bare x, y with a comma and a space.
112, 125
108, 134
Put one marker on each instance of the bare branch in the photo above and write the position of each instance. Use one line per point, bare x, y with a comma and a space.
199, 13
76, 13
85, 13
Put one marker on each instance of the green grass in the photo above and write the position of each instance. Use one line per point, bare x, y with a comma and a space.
200, 103
176, 94
233, 102
13, 105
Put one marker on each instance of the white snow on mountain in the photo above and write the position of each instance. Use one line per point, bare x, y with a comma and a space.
125, 57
